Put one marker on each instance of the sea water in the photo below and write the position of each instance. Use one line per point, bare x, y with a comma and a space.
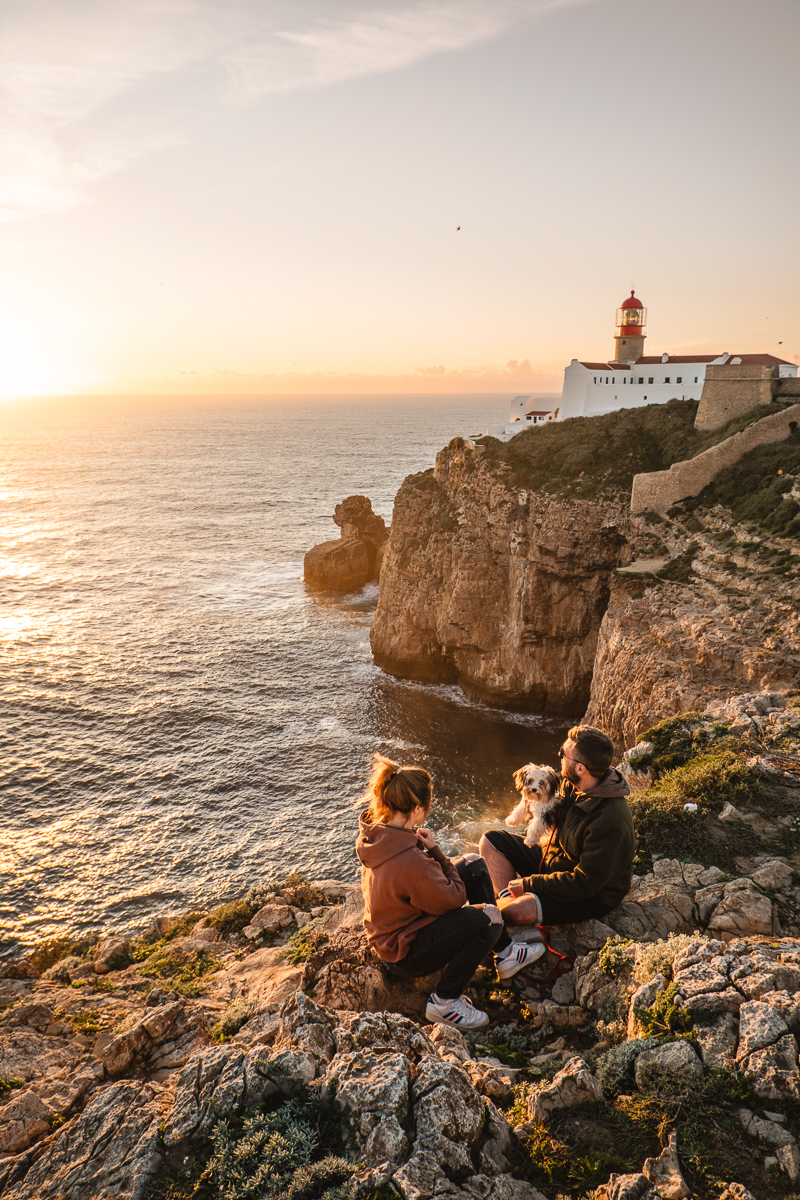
181, 717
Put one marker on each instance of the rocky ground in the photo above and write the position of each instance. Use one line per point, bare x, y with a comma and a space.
717, 612
260, 1049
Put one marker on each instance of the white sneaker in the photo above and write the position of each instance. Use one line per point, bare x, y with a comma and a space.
460, 1012
516, 956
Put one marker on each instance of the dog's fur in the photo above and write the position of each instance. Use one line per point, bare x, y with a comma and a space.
540, 804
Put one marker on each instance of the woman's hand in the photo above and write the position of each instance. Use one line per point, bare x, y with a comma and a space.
426, 839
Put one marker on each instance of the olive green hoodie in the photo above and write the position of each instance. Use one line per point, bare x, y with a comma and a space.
591, 852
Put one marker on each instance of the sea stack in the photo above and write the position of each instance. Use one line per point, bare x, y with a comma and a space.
355, 558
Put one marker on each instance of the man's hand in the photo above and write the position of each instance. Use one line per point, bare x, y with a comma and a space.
426, 839
516, 887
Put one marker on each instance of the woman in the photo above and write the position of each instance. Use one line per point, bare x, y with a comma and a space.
423, 912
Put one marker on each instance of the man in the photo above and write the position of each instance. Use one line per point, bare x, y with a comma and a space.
585, 868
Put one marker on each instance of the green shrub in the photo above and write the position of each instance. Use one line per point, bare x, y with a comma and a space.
663, 1016
233, 1019
280, 1154
615, 1068
232, 917
301, 945
297, 890
47, 953
709, 780
182, 969
616, 955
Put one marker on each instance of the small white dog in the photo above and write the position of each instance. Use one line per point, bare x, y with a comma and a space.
540, 802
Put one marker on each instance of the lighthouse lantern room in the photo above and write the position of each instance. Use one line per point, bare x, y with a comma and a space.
631, 319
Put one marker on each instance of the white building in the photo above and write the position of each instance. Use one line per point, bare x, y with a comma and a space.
633, 379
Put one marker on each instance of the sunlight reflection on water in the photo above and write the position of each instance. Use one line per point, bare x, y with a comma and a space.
180, 717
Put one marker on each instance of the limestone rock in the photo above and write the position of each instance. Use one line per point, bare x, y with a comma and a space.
627, 1187
675, 1058
355, 559
741, 913
736, 1191
112, 954
269, 919
759, 1025
121, 1050
22, 1121
574, 1084
773, 1071
764, 1130
123, 1119
789, 1158
375, 1089
664, 1172
718, 1042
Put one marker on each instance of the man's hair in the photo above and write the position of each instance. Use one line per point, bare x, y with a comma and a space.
593, 748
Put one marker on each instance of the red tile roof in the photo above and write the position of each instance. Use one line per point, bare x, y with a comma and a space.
759, 360
653, 360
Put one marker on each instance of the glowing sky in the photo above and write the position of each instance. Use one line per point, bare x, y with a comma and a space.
263, 195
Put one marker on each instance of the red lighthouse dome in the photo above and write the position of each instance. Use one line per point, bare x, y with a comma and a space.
631, 317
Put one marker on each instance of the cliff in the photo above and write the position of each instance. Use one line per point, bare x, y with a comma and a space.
495, 586
519, 572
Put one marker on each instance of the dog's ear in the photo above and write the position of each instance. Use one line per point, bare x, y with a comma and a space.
553, 781
520, 776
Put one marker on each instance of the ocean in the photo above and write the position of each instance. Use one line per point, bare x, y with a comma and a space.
182, 718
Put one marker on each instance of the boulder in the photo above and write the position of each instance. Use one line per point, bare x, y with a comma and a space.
574, 1084
112, 954
675, 1058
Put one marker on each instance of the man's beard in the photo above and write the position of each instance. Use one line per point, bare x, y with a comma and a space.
570, 773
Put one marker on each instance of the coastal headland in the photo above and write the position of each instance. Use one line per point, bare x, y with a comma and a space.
520, 572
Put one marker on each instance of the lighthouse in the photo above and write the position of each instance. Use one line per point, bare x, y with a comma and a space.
630, 337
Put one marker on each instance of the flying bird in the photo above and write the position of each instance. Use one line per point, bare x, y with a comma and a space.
457, 228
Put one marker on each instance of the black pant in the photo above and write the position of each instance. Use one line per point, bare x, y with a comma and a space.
460, 939
527, 861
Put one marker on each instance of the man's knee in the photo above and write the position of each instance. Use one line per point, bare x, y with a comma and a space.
521, 910
490, 854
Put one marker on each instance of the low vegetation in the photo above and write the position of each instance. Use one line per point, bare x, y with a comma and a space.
696, 762
597, 457
182, 970
284, 1153
757, 489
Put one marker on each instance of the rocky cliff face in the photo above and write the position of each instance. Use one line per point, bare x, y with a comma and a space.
557, 599
494, 586
727, 620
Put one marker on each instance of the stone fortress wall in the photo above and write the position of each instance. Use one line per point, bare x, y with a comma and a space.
659, 490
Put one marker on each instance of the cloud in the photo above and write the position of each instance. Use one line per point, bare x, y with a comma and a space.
67, 70
512, 377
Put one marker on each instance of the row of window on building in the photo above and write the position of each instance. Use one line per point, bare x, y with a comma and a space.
627, 379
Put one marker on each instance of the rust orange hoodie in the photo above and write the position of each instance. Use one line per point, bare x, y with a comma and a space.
405, 887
